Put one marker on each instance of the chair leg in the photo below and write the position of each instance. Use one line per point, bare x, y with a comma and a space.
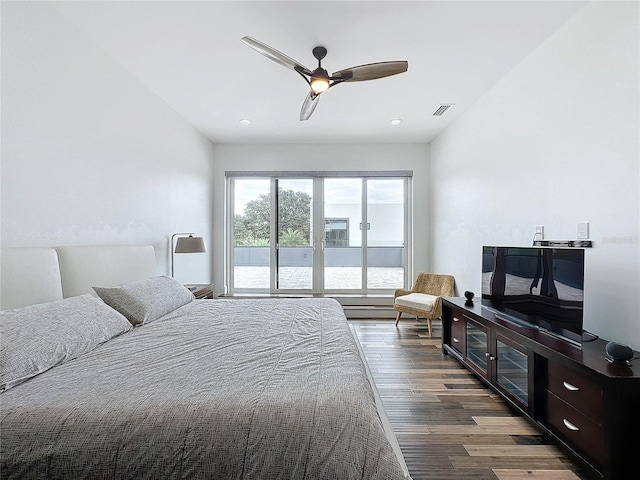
398, 318
430, 327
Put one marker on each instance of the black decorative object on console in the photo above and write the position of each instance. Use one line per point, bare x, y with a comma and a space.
618, 353
469, 296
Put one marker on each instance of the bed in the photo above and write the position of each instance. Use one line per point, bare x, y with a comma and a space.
136, 379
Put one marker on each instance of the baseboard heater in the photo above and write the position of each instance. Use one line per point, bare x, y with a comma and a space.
368, 311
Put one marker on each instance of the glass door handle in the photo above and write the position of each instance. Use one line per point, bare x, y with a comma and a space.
322, 245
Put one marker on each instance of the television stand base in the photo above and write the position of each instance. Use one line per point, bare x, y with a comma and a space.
585, 403
510, 318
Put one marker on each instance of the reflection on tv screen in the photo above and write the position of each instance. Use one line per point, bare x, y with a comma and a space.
540, 285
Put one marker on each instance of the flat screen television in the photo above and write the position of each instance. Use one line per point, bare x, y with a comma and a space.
536, 287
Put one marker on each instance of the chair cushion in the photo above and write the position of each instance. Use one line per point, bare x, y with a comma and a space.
418, 301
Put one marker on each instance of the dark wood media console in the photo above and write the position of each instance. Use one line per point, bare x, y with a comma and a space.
589, 405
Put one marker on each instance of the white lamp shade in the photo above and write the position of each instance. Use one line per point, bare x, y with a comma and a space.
190, 245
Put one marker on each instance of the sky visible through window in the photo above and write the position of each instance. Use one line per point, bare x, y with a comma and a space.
338, 191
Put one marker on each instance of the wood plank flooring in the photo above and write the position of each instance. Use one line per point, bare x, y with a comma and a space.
449, 425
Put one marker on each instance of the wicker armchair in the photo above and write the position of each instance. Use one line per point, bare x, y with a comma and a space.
424, 299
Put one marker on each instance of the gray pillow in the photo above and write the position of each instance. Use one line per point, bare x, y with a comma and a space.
146, 300
37, 337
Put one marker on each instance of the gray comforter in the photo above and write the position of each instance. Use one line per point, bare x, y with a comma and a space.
256, 389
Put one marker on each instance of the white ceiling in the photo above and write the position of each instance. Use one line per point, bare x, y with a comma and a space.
190, 55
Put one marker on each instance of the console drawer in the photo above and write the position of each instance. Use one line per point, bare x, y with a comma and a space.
458, 332
575, 427
576, 389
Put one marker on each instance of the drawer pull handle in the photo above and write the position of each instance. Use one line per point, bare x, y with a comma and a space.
455, 340
569, 425
571, 388
456, 319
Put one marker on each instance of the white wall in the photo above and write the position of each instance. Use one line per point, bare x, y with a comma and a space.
556, 142
89, 155
332, 157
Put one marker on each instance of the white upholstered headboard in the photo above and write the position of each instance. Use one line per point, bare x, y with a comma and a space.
82, 268
29, 276
37, 275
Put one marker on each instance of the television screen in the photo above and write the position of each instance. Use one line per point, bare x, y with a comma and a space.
539, 287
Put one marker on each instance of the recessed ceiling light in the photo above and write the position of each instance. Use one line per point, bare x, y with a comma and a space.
245, 121
396, 121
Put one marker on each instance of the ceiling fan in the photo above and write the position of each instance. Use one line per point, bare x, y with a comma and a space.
319, 80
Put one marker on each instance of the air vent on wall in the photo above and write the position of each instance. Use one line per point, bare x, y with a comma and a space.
442, 108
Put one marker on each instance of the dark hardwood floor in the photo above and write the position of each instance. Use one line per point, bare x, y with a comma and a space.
449, 425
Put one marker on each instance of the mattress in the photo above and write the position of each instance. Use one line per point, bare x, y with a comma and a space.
271, 388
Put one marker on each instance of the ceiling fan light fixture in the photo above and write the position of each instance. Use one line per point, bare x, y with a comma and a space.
319, 81
319, 85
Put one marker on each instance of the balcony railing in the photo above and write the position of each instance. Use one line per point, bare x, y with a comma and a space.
333, 256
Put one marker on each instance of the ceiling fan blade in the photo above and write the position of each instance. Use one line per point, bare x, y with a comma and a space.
371, 71
309, 105
275, 55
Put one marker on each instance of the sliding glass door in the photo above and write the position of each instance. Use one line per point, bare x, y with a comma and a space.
342, 259
317, 234
385, 233
250, 222
294, 243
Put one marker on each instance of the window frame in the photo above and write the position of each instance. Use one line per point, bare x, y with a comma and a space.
318, 202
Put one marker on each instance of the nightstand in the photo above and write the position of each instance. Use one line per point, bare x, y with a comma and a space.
201, 290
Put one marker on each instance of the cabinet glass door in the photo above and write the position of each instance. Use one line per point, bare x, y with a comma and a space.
512, 372
477, 351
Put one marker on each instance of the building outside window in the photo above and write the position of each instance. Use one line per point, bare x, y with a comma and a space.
336, 232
